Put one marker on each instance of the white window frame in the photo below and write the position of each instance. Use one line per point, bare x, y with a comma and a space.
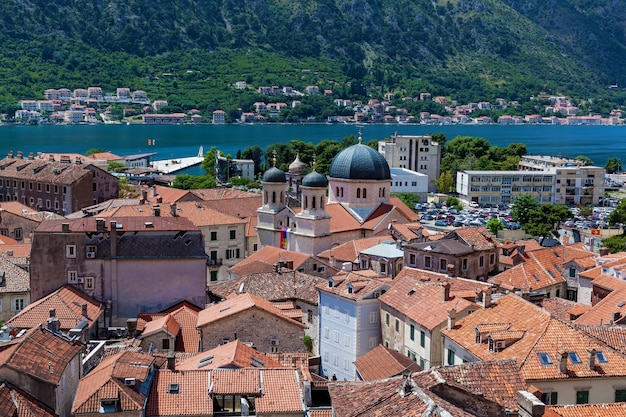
70, 251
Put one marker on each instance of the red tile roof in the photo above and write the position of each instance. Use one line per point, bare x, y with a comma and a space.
362, 287
186, 315
349, 251
16, 403
586, 410
40, 354
233, 354
563, 309
382, 362
67, 302
266, 258
166, 323
236, 305
611, 309
539, 269
191, 399
107, 380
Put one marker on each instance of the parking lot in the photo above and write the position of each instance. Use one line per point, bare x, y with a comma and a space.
440, 216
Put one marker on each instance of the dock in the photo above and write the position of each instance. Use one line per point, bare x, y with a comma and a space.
169, 166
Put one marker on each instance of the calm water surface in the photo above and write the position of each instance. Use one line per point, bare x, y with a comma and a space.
597, 142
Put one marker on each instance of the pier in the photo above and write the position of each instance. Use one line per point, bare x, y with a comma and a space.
169, 166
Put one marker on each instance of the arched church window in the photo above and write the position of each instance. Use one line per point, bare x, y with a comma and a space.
273, 197
358, 193
306, 202
313, 203
364, 192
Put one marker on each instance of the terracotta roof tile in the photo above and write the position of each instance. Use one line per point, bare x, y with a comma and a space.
15, 279
362, 287
267, 257
479, 238
349, 251
539, 269
382, 362
16, 403
563, 309
272, 286
186, 315
39, 353
587, 410
232, 306
614, 336
132, 223
166, 323
611, 309
281, 392
107, 380
67, 302
21, 250
191, 398
235, 381
233, 354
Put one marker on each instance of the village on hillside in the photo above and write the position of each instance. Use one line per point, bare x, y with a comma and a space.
319, 296
92, 105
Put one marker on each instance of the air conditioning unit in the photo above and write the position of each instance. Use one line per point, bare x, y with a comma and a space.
91, 255
129, 381
274, 342
500, 344
80, 280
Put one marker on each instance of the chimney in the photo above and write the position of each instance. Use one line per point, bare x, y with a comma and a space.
171, 360
99, 224
591, 358
521, 249
604, 251
144, 196
10, 154
445, 291
173, 210
451, 318
50, 158
131, 327
529, 405
157, 210
451, 270
152, 192
113, 238
83, 307
562, 361
53, 324
65, 227
526, 295
487, 298
20, 155
31, 156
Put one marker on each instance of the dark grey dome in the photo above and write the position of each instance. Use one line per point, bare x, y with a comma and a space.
274, 175
360, 162
314, 179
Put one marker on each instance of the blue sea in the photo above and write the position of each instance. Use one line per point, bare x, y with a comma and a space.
175, 141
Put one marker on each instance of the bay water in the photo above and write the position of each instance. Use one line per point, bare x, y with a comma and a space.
175, 141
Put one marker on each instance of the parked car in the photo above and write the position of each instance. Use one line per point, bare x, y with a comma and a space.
442, 223
473, 204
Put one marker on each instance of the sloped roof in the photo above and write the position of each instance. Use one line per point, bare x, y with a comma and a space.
497, 381
349, 251
107, 381
384, 398
605, 310
518, 314
422, 299
20, 250
362, 287
563, 309
40, 354
67, 302
166, 323
269, 255
16, 403
407, 231
272, 286
233, 355
15, 278
382, 362
539, 269
234, 305
586, 410
479, 238
186, 315
612, 335
191, 399
201, 214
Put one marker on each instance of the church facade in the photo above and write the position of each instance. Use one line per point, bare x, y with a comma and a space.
352, 203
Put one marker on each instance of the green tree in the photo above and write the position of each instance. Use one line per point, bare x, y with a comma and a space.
255, 153
585, 160
409, 199
522, 206
115, 166
494, 224
545, 220
193, 182
208, 164
93, 151
613, 165
619, 214
445, 182
615, 243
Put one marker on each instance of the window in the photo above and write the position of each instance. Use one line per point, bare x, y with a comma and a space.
601, 357
422, 363
89, 283
572, 272
481, 261
549, 398
345, 364
373, 317
582, 397
72, 277
326, 356
544, 358
451, 357
383, 268
213, 235
427, 263
326, 333
443, 264
165, 344
233, 234
18, 304
373, 341
336, 336
492, 259
346, 340
464, 264
411, 259
70, 251
387, 319
412, 332
17, 233
397, 325
213, 276
47, 188
573, 357
422, 338
620, 395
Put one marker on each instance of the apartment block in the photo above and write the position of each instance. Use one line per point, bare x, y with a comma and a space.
493, 187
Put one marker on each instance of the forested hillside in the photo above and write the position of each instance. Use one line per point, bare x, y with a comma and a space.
467, 49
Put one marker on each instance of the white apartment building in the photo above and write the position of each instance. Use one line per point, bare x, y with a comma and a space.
493, 187
416, 153
406, 181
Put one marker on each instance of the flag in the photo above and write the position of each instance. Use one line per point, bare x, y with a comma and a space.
284, 241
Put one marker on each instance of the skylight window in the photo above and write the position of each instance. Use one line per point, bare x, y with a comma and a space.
544, 358
536, 278
551, 273
622, 304
174, 388
573, 357
601, 357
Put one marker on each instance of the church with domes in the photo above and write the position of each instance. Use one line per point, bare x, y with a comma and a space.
354, 202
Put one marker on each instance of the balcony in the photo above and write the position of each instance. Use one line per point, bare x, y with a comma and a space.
214, 262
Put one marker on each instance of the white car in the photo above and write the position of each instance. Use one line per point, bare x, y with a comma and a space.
473, 204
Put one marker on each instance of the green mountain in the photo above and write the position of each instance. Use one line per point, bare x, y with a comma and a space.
190, 52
